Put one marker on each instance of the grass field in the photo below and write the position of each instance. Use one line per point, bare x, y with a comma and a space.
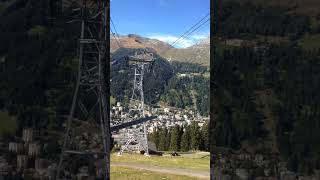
8, 124
195, 161
121, 173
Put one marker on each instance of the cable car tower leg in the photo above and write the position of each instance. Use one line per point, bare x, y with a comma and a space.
90, 90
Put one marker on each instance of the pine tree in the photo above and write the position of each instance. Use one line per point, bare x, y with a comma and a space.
195, 136
185, 139
205, 136
162, 139
175, 139
168, 139
156, 137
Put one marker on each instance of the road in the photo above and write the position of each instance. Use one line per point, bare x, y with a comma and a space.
167, 170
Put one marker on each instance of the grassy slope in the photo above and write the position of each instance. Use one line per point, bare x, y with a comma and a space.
121, 173
192, 162
189, 55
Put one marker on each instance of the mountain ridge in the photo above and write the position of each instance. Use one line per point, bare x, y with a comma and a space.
198, 53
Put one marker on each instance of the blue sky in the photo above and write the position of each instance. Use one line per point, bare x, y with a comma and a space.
164, 20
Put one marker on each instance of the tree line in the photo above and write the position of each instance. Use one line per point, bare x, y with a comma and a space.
238, 19
266, 100
181, 138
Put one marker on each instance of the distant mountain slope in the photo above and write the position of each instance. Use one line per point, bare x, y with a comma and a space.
306, 7
199, 53
136, 41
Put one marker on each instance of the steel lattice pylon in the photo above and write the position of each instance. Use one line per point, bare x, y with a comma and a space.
140, 61
89, 113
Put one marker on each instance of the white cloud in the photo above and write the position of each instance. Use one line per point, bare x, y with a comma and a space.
199, 36
182, 43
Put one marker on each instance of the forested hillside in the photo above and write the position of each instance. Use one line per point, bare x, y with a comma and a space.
238, 19
265, 97
163, 83
37, 67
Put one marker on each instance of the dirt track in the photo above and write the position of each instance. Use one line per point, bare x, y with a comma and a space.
168, 170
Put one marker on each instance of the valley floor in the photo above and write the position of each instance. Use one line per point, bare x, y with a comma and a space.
186, 166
